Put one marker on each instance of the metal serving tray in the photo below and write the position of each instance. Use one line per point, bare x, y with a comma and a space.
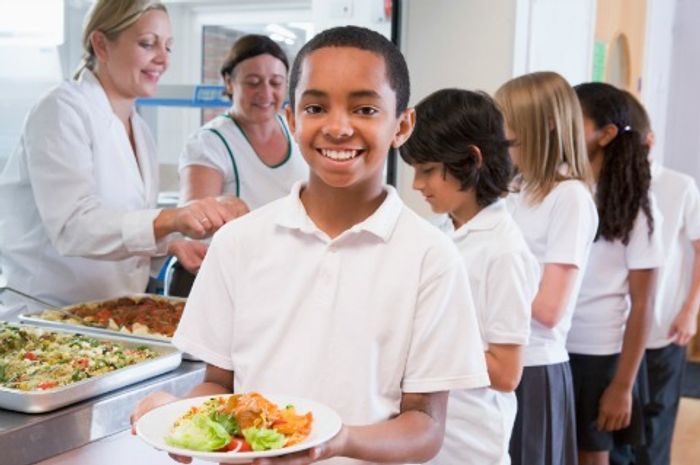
34, 319
45, 401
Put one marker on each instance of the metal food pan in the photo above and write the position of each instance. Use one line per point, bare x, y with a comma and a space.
45, 401
35, 319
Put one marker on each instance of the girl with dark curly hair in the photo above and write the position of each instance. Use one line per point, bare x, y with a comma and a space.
613, 312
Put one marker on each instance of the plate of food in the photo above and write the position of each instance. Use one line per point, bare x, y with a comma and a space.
238, 428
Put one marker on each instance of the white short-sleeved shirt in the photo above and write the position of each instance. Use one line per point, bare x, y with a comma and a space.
222, 145
352, 322
603, 304
560, 229
503, 276
77, 205
678, 200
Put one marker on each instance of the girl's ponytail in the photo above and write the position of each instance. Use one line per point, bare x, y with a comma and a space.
625, 176
623, 186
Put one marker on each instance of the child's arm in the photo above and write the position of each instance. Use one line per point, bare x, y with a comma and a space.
616, 403
413, 436
553, 295
505, 366
685, 324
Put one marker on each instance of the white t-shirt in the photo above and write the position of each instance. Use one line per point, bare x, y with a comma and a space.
503, 276
678, 200
352, 322
245, 174
76, 203
560, 229
603, 304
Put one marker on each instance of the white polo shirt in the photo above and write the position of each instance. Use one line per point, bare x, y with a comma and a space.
503, 276
352, 322
678, 200
560, 229
603, 304
245, 174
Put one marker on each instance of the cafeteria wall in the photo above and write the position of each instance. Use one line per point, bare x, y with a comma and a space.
482, 44
477, 44
681, 148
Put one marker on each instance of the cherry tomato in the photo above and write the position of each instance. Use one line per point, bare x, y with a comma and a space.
238, 445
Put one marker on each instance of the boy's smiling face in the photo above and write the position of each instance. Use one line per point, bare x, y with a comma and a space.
345, 119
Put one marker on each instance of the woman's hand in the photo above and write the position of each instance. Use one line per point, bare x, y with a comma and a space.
190, 254
198, 218
615, 408
237, 206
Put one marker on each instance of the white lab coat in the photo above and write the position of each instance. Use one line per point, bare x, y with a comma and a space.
76, 208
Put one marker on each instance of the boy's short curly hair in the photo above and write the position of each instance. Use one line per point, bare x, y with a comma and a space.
363, 39
450, 123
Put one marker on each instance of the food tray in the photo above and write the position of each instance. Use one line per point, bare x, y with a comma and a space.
35, 319
41, 401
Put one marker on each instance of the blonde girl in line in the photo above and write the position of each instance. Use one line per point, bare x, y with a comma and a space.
554, 209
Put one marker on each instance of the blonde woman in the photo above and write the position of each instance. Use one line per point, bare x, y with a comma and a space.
556, 213
78, 216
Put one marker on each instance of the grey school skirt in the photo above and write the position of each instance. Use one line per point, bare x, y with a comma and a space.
545, 425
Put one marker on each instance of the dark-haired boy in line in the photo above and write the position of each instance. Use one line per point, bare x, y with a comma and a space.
338, 292
460, 154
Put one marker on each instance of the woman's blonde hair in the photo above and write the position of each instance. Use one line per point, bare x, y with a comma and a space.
543, 112
111, 17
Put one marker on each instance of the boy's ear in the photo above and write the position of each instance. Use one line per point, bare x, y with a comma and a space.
291, 122
476, 152
607, 134
404, 129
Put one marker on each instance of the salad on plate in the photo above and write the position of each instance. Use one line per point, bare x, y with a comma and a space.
239, 423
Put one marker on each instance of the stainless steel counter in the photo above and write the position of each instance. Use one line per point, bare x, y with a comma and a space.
27, 438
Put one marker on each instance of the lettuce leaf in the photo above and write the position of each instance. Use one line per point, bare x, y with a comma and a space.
199, 433
227, 421
263, 438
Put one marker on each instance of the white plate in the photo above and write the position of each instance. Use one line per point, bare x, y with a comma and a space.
155, 425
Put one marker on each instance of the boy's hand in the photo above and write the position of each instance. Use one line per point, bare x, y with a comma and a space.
147, 404
684, 327
615, 408
331, 448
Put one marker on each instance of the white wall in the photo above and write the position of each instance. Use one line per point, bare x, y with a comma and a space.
480, 44
453, 44
681, 149
555, 35
367, 13
656, 74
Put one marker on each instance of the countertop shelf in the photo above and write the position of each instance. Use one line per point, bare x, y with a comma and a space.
29, 438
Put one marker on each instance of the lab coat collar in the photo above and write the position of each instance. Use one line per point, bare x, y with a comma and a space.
94, 91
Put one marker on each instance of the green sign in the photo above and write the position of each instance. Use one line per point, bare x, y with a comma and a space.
598, 61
